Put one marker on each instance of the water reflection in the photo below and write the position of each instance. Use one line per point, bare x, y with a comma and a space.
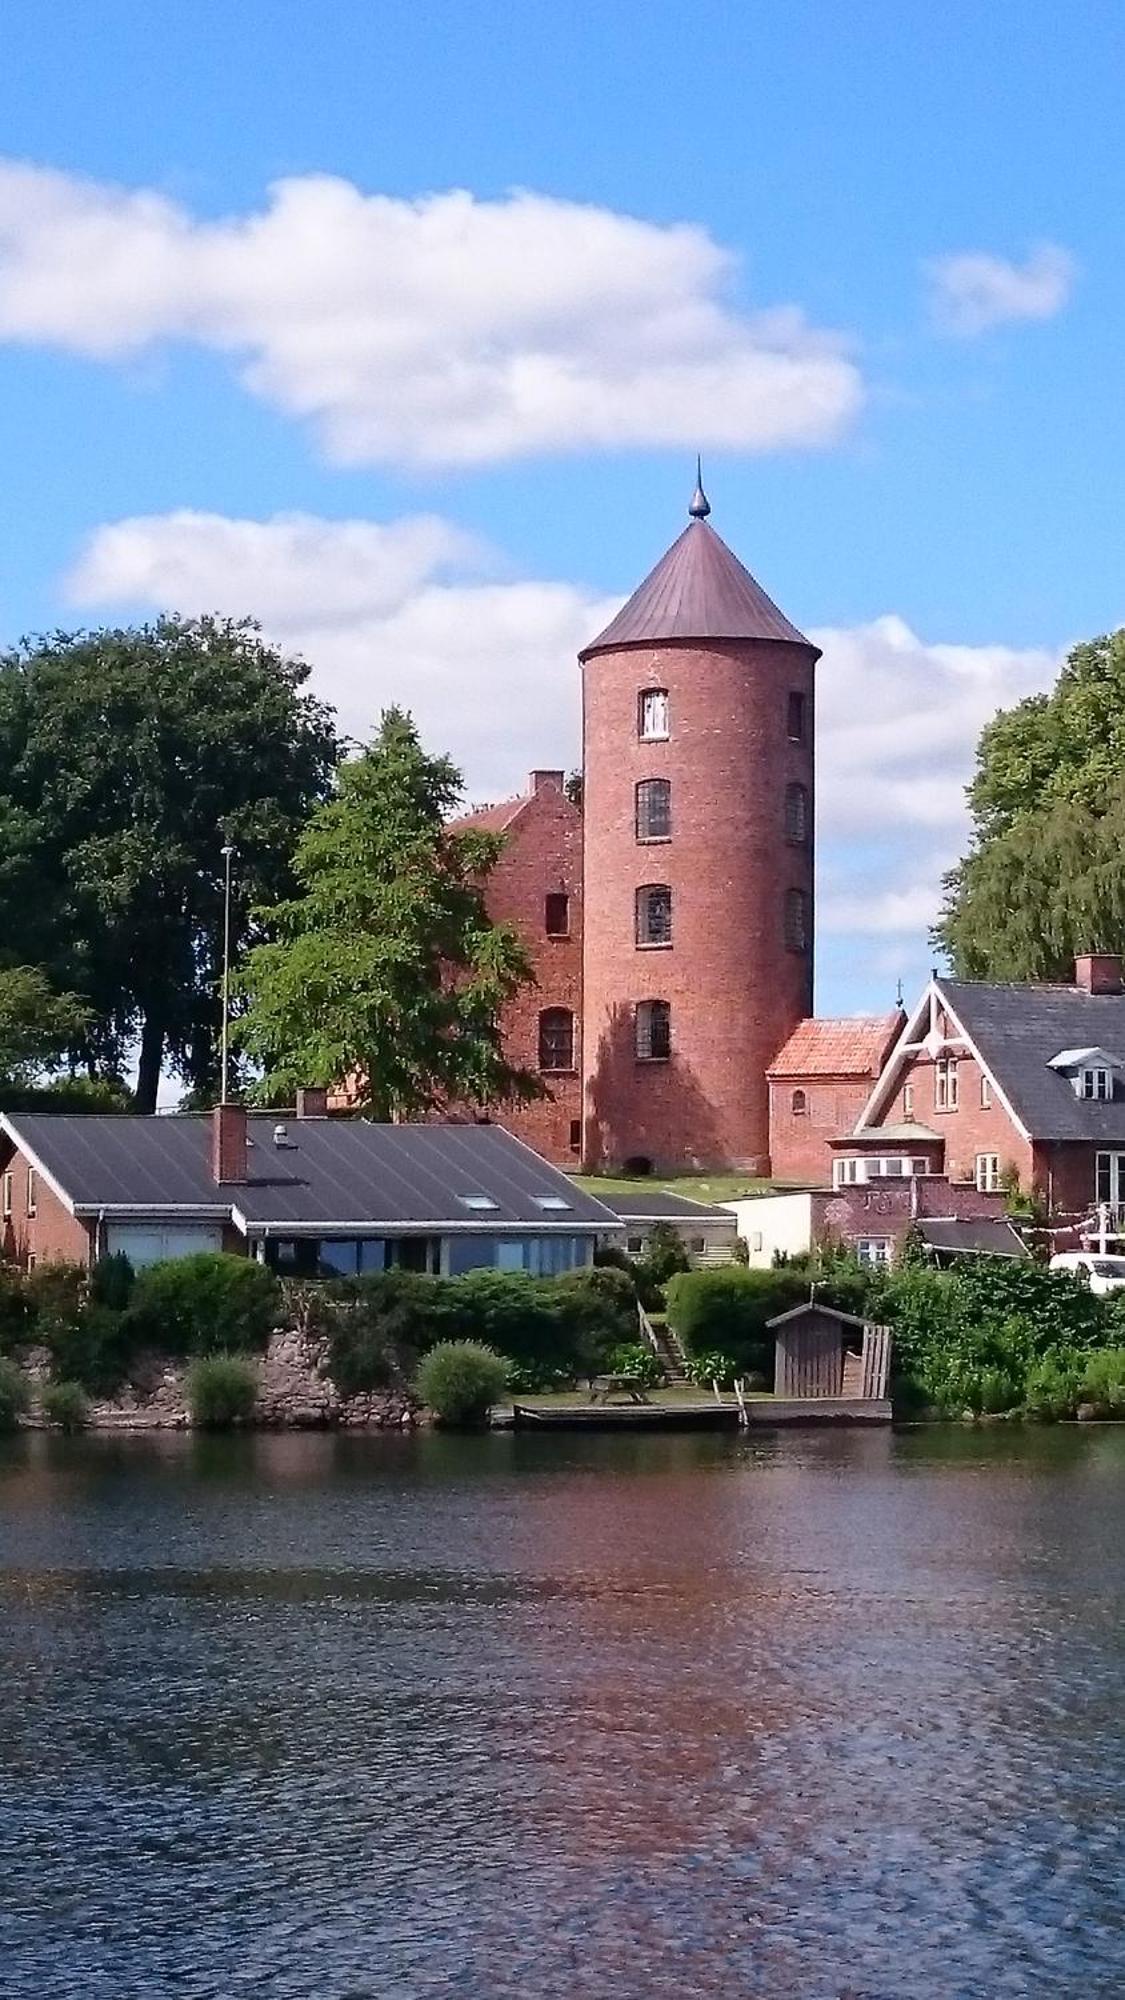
338, 1716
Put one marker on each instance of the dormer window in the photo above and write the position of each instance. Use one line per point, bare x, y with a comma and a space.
1096, 1084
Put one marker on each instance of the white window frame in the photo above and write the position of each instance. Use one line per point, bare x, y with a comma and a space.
32, 1193
946, 1086
1095, 1085
7, 1192
874, 1251
988, 1173
908, 1100
653, 718
858, 1170
1109, 1178
985, 1093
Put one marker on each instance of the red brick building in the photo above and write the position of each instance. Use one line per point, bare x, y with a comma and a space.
987, 1083
688, 959
819, 1082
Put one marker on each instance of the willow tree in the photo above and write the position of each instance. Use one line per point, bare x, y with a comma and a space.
1044, 878
385, 968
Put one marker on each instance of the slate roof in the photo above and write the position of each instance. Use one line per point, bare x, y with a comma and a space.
857, 1047
1017, 1030
333, 1171
698, 590
973, 1239
662, 1206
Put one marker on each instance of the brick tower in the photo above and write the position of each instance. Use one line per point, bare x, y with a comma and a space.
698, 843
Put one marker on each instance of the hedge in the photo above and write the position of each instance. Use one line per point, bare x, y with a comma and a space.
203, 1304
725, 1310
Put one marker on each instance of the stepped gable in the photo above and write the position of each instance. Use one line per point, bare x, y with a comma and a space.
698, 590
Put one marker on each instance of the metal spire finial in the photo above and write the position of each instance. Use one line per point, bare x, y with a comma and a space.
700, 505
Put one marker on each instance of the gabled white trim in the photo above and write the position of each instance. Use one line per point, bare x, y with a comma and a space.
33, 1160
910, 1043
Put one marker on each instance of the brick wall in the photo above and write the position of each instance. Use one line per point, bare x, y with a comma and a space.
735, 988
973, 1128
886, 1208
799, 1148
542, 856
52, 1235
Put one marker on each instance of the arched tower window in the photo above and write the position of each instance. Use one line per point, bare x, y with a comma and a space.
654, 914
795, 717
796, 920
796, 814
652, 715
654, 809
798, 1104
556, 1038
652, 1030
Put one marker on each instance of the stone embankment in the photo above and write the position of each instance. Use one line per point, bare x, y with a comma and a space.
295, 1393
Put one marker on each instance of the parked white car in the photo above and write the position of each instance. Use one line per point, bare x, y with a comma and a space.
1102, 1274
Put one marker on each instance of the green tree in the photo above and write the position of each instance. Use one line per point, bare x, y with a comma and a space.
37, 1026
385, 968
1044, 878
127, 758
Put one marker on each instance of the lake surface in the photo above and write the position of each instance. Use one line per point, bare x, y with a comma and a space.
345, 1716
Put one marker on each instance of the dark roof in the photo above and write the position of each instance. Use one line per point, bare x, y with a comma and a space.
973, 1239
661, 1206
698, 590
332, 1171
1019, 1029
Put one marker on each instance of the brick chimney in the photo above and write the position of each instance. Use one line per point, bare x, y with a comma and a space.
1098, 972
547, 781
312, 1101
228, 1143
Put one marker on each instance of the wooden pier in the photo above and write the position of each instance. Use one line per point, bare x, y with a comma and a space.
761, 1413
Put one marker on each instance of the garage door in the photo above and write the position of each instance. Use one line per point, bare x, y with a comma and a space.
151, 1245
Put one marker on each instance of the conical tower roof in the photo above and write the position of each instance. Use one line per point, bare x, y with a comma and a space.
698, 590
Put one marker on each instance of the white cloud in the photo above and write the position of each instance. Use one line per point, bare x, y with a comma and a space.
415, 611
443, 330
971, 291
409, 612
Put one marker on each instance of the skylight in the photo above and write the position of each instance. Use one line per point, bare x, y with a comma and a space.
551, 1201
477, 1201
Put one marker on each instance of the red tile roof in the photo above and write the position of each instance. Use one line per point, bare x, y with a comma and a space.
489, 819
698, 590
857, 1047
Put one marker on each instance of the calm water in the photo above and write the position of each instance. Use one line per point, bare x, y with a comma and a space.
339, 1717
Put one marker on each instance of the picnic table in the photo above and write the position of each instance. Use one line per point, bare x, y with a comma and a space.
607, 1388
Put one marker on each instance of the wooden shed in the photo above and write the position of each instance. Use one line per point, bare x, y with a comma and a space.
822, 1352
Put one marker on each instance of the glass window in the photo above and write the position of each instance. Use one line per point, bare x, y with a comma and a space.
945, 1084
874, 1250
795, 718
556, 915
796, 920
32, 1190
556, 1039
799, 1104
575, 1135
552, 1201
1110, 1179
652, 714
1096, 1083
475, 1201
334, 1256
796, 814
469, 1253
653, 1031
511, 1253
985, 1094
988, 1172
908, 1100
654, 809
7, 1196
654, 914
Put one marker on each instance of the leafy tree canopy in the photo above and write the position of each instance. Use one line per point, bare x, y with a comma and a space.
127, 758
1044, 878
37, 1026
385, 968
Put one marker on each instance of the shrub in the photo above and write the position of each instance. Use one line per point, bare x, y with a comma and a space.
1103, 1382
64, 1406
204, 1304
94, 1347
725, 1311
222, 1390
595, 1310
637, 1360
663, 1254
377, 1326
15, 1395
1051, 1390
112, 1280
705, 1369
460, 1381
16, 1310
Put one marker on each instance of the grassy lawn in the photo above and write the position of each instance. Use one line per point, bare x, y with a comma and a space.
697, 1187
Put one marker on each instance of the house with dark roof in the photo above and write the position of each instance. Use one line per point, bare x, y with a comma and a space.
993, 1083
309, 1195
707, 1230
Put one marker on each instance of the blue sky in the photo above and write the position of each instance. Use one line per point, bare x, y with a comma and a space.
429, 442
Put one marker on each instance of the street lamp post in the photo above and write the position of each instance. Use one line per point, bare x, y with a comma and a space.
228, 857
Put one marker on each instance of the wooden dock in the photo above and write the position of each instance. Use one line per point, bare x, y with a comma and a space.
762, 1413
